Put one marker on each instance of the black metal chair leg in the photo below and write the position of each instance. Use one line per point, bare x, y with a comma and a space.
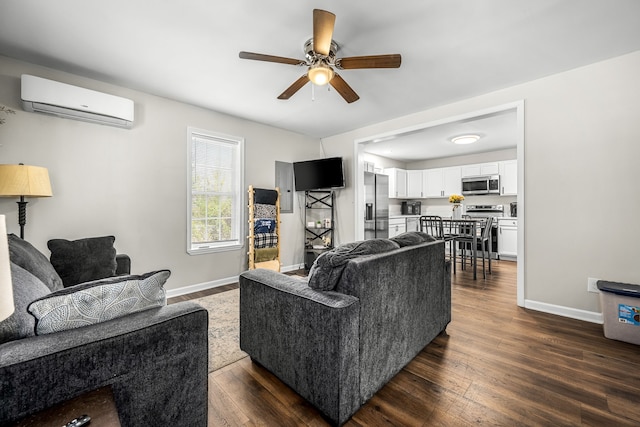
490, 253
484, 270
454, 255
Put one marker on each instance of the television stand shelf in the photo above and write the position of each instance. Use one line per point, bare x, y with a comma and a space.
319, 223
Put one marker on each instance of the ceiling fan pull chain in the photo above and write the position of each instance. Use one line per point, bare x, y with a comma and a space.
313, 92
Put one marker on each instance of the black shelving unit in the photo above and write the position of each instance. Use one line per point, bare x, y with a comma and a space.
318, 210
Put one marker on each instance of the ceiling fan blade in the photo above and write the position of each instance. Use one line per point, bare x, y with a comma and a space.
343, 89
323, 23
296, 86
271, 58
371, 61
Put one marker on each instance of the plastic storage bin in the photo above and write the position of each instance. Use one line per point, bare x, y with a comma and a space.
620, 311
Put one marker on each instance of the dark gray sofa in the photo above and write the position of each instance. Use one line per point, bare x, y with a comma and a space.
337, 348
154, 360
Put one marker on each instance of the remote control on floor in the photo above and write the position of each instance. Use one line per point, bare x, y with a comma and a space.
82, 420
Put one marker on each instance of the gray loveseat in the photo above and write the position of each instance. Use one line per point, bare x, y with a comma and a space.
155, 360
337, 347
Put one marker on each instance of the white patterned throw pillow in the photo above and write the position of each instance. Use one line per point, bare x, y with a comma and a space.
98, 301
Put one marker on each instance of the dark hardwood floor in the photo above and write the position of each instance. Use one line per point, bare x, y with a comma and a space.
498, 365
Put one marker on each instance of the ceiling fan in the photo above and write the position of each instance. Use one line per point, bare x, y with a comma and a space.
320, 52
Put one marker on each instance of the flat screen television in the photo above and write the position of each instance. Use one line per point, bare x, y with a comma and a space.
318, 174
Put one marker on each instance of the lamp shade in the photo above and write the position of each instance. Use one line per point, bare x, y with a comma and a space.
320, 74
6, 289
24, 180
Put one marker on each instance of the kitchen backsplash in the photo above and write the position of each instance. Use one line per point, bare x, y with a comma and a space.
442, 207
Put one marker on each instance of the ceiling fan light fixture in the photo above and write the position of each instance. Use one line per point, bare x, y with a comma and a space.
465, 139
320, 74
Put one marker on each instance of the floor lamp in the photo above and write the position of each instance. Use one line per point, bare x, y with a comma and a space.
24, 181
6, 288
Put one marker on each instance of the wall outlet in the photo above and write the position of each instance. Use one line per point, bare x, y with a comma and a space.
592, 285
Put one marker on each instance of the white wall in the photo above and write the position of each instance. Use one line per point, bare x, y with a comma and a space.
582, 151
487, 157
132, 183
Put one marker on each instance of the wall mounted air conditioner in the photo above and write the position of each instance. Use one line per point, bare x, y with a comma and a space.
72, 102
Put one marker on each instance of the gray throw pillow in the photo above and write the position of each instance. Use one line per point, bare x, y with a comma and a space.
22, 253
83, 260
327, 269
26, 288
411, 238
98, 301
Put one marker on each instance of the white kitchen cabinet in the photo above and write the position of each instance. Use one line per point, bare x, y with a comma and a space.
413, 223
507, 238
397, 183
480, 169
432, 183
414, 183
509, 178
397, 226
441, 182
369, 167
452, 181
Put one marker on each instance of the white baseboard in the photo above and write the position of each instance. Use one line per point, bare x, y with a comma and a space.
286, 269
220, 282
573, 313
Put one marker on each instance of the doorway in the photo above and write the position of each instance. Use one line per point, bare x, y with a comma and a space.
416, 132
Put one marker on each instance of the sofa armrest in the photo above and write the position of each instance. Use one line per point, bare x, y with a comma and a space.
307, 338
156, 362
123, 264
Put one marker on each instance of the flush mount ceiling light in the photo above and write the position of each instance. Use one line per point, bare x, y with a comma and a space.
465, 139
320, 74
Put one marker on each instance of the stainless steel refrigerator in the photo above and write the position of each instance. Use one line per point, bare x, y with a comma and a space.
376, 205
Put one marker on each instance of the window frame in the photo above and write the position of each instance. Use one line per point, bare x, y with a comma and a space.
238, 212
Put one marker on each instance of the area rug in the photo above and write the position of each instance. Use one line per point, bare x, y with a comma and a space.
224, 328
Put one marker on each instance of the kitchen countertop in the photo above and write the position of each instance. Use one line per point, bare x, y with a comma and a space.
448, 217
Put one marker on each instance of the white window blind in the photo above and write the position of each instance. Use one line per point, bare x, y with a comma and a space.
215, 192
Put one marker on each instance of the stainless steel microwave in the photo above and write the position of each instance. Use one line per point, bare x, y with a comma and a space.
477, 185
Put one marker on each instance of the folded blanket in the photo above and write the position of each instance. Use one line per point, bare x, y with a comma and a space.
264, 225
267, 197
265, 240
265, 254
261, 210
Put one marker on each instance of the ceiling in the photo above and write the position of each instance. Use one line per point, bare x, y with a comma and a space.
188, 50
497, 131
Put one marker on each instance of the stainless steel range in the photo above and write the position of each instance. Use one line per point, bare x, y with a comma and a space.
485, 211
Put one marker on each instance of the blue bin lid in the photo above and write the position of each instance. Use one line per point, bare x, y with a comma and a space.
618, 288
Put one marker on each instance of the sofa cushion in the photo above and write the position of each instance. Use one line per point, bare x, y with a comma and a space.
83, 260
411, 238
98, 301
22, 253
26, 288
327, 268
